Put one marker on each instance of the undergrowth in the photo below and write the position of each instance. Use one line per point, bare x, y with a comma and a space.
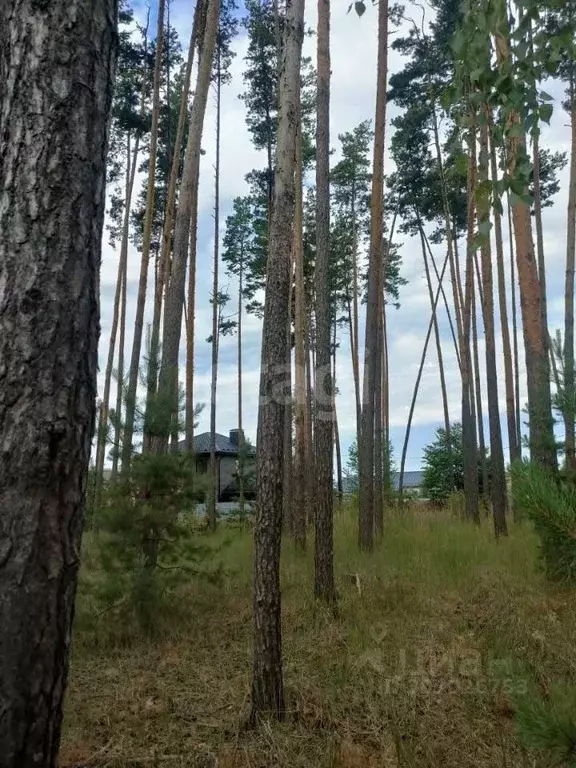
440, 636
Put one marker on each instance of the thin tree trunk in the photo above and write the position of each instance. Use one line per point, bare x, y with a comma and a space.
287, 484
469, 445
241, 442
444, 299
310, 453
497, 471
118, 296
145, 259
354, 324
120, 372
299, 497
418, 379
324, 587
516, 357
191, 324
479, 407
378, 439
216, 309
371, 351
56, 70
443, 389
336, 430
514, 451
569, 383
267, 680
187, 202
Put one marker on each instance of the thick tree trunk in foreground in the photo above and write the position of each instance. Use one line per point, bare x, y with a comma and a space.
267, 681
324, 508
53, 121
371, 351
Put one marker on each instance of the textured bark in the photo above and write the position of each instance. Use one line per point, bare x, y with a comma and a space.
378, 436
497, 470
212, 491
287, 481
267, 681
300, 500
187, 202
145, 258
371, 351
56, 70
513, 447
569, 382
324, 588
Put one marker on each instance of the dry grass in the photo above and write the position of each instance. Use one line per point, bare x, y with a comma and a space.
435, 632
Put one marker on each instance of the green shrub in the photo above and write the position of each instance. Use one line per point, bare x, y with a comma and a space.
549, 725
551, 505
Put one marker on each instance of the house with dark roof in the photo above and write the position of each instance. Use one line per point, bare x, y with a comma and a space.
227, 452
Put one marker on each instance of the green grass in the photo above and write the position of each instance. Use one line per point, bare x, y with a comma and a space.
437, 633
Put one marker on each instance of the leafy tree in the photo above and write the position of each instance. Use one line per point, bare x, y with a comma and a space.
443, 465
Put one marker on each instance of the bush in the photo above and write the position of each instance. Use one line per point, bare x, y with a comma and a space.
549, 725
551, 505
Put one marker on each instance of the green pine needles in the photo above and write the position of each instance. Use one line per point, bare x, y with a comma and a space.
551, 505
549, 724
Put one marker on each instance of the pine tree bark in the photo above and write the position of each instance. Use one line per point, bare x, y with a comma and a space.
324, 588
191, 324
145, 258
569, 382
56, 70
241, 442
339, 478
371, 351
478, 404
175, 289
267, 679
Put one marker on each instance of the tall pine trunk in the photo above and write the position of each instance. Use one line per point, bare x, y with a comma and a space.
56, 70
513, 447
542, 441
371, 351
145, 258
477, 402
267, 679
497, 470
187, 203
569, 382
324, 588
339, 478
300, 500
241, 442
216, 309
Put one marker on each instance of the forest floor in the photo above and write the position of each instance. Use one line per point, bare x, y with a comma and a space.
436, 634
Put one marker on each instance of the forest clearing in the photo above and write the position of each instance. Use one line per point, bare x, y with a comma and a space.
287, 383
436, 636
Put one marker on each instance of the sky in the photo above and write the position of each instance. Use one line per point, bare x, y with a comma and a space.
353, 88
